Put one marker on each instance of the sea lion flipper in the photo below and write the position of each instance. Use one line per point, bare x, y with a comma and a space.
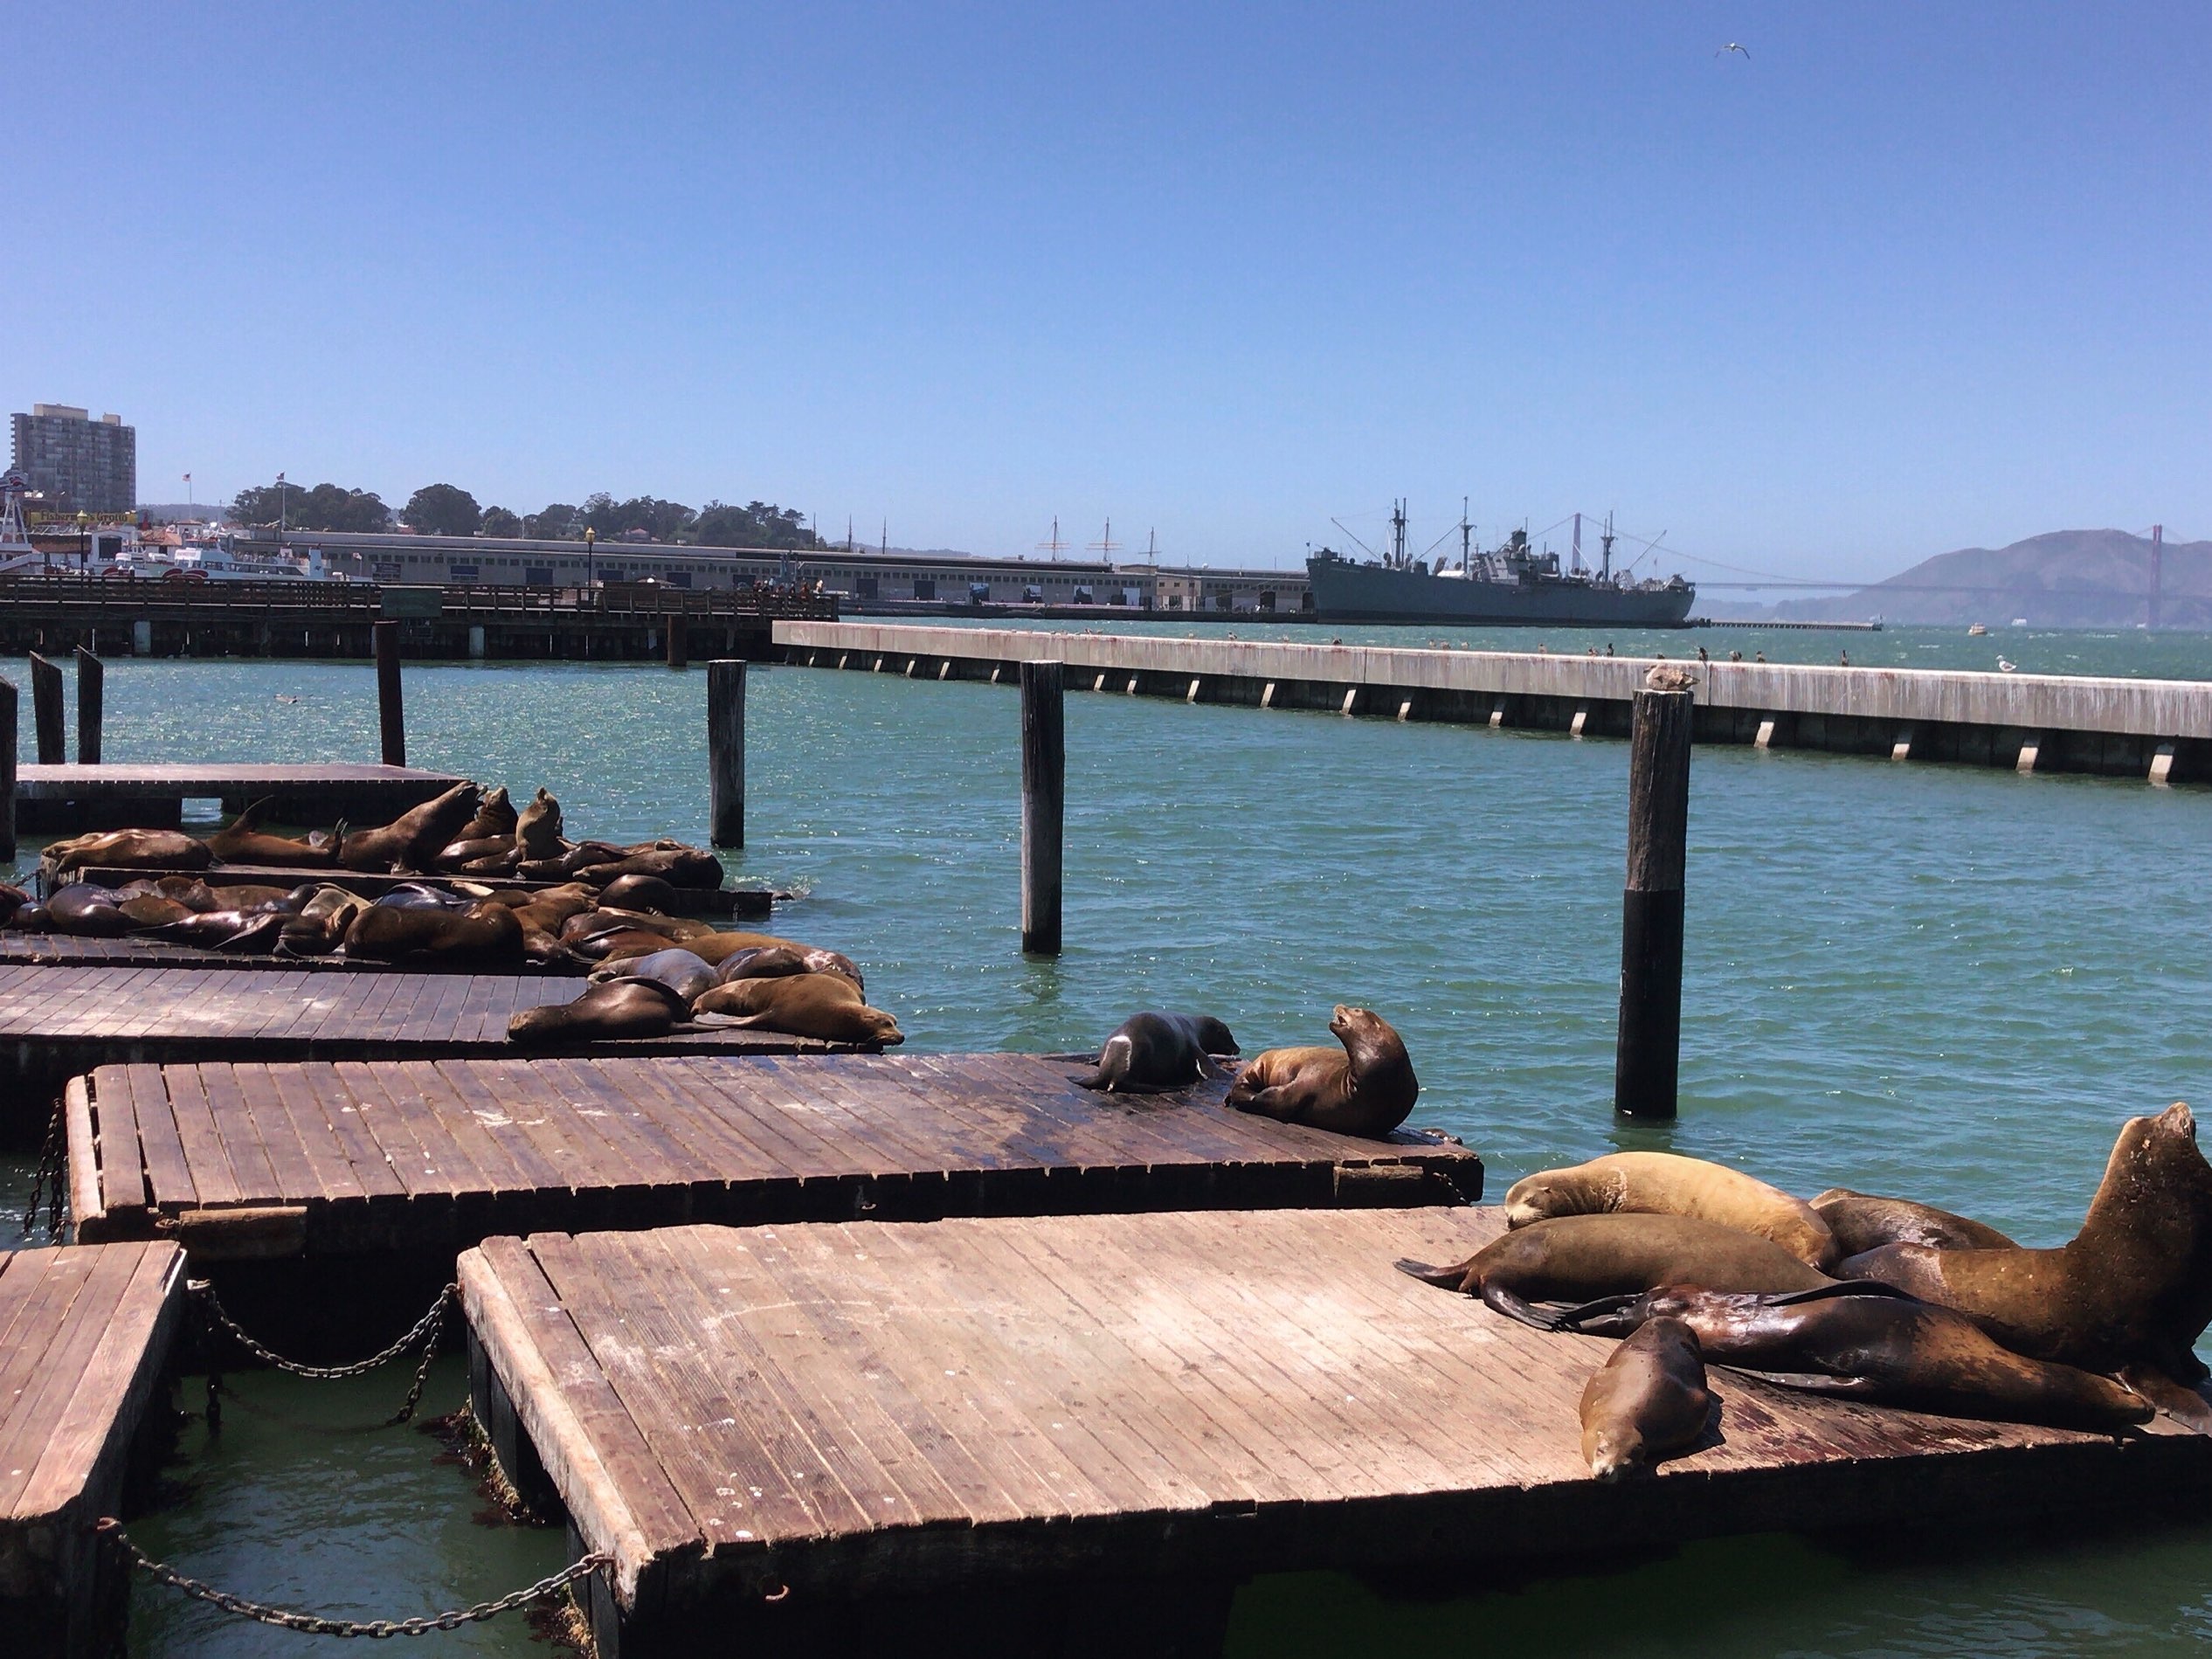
1840, 1288
2185, 1405
1572, 1318
1519, 1308
1442, 1278
1807, 1382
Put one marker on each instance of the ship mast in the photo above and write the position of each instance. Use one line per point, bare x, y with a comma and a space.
1398, 534
1605, 574
1575, 562
1466, 532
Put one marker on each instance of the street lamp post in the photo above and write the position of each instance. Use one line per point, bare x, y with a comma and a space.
84, 543
590, 540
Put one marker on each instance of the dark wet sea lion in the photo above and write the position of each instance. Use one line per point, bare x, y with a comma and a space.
1579, 1258
243, 841
483, 936
1367, 1090
412, 841
824, 1005
601, 1013
12, 900
682, 867
152, 910
129, 849
1862, 1222
640, 893
1889, 1349
1149, 1054
1647, 1402
624, 944
2131, 1292
721, 947
676, 929
317, 926
473, 849
684, 975
87, 912
764, 962
537, 828
248, 935
420, 895
1667, 1184
551, 907
32, 918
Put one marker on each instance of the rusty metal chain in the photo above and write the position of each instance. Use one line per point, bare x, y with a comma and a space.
50, 1186
426, 1331
313, 1624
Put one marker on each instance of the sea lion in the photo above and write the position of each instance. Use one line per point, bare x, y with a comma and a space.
1891, 1349
824, 1005
483, 936
32, 918
496, 816
1554, 1261
767, 962
128, 849
234, 930
537, 828
589, 923
496, 853
88, 912
153, 910
2130, 1293
318, 925
1862, 1222
243, 841
1367, 1090
631, 1009
12, 900
1150, 1053
1666, 1183
724, 948
683, 974
640, 893
1648, 1401
682, 867
412, 841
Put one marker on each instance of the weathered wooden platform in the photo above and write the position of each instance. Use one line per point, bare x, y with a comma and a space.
59, 949
85, 1335
710, 903
773, 1428
153, 796
389, 1155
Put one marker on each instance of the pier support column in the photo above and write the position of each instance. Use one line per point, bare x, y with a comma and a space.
1044, 790
45, 710
1766, 737
2031, 745
726, 752
679, 643
1902, 749
91, 676
142, 638
10, 737
1648, 1049
1581, 719
1191, 695
1266, 693
1351, 700
392, 715
476, 642
2162, 764
1498, 715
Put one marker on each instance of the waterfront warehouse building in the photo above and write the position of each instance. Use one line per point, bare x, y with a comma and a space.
78, 464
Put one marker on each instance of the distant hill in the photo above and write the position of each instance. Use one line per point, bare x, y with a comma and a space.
2066, 579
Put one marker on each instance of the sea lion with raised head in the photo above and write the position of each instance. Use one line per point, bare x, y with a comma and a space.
1889, 1349
1367, 1090
537, 828
634, 1008
1667, 1184
1647, 1402
1150, 1053
1580, 1258
827, 1007
2130, 1293
128, 849
1863, 1222
412, 841
495, 816
484, 935
244, 841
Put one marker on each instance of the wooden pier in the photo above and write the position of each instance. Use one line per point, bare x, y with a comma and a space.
117, 796
701, 903
67, 950
391, 1155
1044, 1435
88, 1331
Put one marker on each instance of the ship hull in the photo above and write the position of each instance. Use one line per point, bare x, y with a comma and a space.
1345, 592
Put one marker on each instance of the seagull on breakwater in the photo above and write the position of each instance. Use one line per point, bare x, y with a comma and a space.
1732, 46
2004, 666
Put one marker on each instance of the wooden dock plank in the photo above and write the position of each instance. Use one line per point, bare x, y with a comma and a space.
1203, 1393
53, 949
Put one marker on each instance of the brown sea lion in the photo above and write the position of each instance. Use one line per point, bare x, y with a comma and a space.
128, 849
682, 867
235, 930
602, 1014
551, 907
496, 816
12, 900
824, 1005
537, 828
483, 936
684, 976
87, 912
488, 850
153, 910
677, 929
1889, 1349
2130, 1293
768, 962
722, 947
412, 841
1647, 1402
1862, 1222
1615, 1255
244, 841
1150, 1053
640, 893
318, 926
1367, 1090
1666, 1183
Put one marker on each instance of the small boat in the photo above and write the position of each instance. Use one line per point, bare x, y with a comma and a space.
1977, 630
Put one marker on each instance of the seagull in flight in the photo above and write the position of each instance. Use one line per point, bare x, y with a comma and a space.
1732, 46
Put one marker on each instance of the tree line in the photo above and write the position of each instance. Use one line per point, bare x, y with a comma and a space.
445, 509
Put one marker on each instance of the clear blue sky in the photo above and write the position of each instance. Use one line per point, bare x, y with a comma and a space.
1909, 277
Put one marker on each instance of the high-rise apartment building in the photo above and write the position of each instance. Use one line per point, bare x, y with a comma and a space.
77, 463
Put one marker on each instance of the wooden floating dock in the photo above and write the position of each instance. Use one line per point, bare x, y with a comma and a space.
409, 1155
807, 1436
703, 903
114, 795
2158, 730
52, 949
88, 1334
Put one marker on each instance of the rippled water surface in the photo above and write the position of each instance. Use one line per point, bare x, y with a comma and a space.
1945, 982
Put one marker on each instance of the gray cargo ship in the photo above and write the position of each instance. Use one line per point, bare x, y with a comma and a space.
1508, 586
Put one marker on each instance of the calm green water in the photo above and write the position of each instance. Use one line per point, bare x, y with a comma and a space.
1947, 983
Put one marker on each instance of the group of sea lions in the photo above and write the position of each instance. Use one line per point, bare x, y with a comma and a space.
1878, 1299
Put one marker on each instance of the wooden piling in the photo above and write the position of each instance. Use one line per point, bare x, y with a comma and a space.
91, 676
1044, 789
45, 710
391, 715
726, 752
679, 645
1649, 1048
10, 737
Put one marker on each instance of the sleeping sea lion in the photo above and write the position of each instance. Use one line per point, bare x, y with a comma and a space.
765, 962
537, 828
248, 935
1620, 1254
483, 936
682, 867
2130, 1293
152, 909
1648, 1401
602, 1012
1367, 1090
495, 854
87, 912
412, 841
640, 893
1862, 1222
824, 1005
128, 849
1889, 1349
1149, 1054
243, 841
1665, 1184
682, 974
12, 900
318, 926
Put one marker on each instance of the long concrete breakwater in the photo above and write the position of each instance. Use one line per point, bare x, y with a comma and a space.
2158, 730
